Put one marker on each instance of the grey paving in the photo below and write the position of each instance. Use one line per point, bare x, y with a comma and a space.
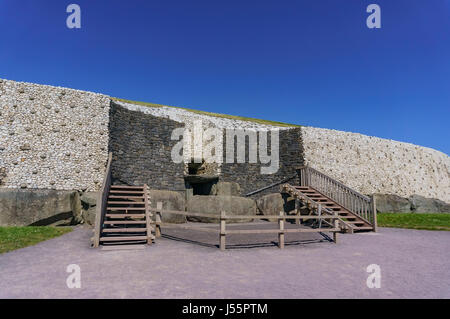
414, 264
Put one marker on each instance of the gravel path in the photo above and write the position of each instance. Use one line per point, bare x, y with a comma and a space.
414, 264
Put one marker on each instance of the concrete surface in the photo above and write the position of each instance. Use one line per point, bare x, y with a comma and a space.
414, 264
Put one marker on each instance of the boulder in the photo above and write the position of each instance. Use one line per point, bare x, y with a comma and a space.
89, 215
89, 209
89, 199
273, 204
171, 201
24, 207
226, 189
213, 205
389, 203
420, 204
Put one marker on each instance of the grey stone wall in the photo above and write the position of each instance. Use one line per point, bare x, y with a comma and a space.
249, 175
141, 145
52, 137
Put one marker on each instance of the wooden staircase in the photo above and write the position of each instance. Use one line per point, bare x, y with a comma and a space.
355, 222
126, 220
322, 194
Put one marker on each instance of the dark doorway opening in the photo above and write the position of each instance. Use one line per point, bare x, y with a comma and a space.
202, 188
200, 184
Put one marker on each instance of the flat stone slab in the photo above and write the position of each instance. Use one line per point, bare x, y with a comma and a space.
414, 264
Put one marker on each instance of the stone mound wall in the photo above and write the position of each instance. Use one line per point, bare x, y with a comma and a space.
58, 138
375, 165
52, 137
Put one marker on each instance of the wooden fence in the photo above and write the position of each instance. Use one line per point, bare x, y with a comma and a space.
223, 218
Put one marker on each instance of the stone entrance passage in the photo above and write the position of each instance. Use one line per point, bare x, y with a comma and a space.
199, 184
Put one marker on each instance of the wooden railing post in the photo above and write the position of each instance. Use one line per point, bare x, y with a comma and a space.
223, 233
336, 226
148, 220
101, 203
297, 210
281, 232
159, 206
374, 213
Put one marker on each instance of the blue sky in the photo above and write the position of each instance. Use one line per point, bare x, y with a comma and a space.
306, 62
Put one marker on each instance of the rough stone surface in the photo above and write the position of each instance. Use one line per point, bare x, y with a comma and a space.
273, 204
171, 201
88, 216
420, 204
89, 203
226, 189
213, 205
141, 147
248, 175
58, 138
375, 165
389, 203
89, 198
34, 138
38, 207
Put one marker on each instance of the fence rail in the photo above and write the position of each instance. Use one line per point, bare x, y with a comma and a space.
222, 219
355, 202
102, 199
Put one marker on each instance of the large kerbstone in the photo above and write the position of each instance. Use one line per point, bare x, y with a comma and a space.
389, 203
23, 207
420, 204
226, 189
213, 205
89, 198
273, 204
89, 205
171, 201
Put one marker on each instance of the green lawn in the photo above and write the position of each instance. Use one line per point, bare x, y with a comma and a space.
415, 221
18, 237
233, 117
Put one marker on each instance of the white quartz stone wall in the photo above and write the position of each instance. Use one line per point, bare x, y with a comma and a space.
375, 165
52, 137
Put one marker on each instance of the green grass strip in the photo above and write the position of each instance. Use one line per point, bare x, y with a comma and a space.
16, 237
429, 221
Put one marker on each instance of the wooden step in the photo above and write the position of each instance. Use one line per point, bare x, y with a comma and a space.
363, 228
124, 230
122, 238
125, 215
124, 222
347, 217
124, 208
356, 222
125, 203
126, 187
124, 247
125, 197
113, 191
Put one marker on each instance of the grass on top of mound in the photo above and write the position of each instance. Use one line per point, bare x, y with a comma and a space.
226, 116
429, 221
15, 237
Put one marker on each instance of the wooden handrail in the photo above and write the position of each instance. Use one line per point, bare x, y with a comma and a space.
315, 207
353, 201
102, 198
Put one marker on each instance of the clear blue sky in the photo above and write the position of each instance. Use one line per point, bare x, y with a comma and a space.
307, 62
